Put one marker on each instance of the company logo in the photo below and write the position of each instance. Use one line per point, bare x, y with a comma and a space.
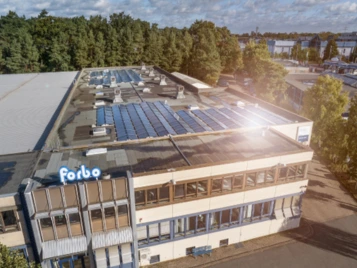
82, 173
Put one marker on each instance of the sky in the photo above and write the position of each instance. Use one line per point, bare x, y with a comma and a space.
240, 16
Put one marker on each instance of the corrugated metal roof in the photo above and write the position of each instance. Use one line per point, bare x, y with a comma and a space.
28, 103
62, 247
113, 237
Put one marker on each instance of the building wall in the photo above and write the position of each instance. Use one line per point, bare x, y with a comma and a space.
216, 202
291, 130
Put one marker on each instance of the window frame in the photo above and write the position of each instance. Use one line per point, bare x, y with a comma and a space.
13, 227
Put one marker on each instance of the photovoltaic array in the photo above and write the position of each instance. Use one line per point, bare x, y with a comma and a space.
156, 119
121, 76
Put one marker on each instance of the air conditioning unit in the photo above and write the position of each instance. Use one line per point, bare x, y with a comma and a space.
96, 151
99, 131
145, 256
99, 103
193, 107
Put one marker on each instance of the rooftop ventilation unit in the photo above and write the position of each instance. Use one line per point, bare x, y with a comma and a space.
143, 68
240, 104
113, 81
146, 90
193, 107
163, 80
99, 94
96, 151
99, 131
117, 96
180, 92
99, 87
151, 73
140, 83
99, 103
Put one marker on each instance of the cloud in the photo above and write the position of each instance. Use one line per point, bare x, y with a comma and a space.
237, 15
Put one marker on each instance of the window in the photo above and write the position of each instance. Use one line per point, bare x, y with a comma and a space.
191, 225
75, 224
227, 183
247, 216
93, 192
155, 259
270, 176
70, 193
164, 194
251, 179
238, 181
97, 222
283, 172
189, 251
215, 220
179, 191
56, 198
257, 210
154, 235
109, 214
107, 190
142, 234
191, 189
296, 205
123, 216
223, 243
120, 188
235, 216
179, 227
8, 221
140, 198
201, 223
225, 217
41, 200
61, 226
164, 228
47, 229
152, 196
301, 171
266, 209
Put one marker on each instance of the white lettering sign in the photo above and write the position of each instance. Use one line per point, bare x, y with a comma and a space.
82, 173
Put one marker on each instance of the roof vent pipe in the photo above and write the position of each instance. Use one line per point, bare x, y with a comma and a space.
180, 92
143, 67
151, 74
163, 80
117, 96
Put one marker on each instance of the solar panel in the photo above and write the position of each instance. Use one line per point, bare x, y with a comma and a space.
161, 118
168, 115
221, 118
237, 118
270, 116
196, 127
138, 124
155, 122
122, 135
207, 120
100, 116
108, 116
128, 123
250, 116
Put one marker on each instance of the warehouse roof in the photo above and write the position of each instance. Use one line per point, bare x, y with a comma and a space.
29, 103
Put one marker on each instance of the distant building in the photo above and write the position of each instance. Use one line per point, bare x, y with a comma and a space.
280, 46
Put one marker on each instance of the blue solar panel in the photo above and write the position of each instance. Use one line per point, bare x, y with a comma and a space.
108, 116
271, 117
238, 119
119, 124
127, 123
100, 116
174, 123
162, 120
221, 118
250, 116
190, 121
138, 124
207, 120
134, 76
155, 122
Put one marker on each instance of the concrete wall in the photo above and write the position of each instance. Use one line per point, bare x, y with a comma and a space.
217, 202
291, 130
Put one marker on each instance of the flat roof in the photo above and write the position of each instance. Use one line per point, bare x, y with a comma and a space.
175, 153
150, 109
29, 104
14, 168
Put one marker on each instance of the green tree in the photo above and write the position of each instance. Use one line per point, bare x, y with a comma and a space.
313, 55
351, 131
185, 45
205, 62
353, 56
324, 103
330, 50
13, 62
13, 259
113, 50
172, 57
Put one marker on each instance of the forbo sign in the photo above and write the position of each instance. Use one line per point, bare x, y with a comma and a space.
82, 173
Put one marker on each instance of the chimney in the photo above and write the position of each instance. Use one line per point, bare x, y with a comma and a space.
180, 92
117, 96
163, 80
151, 74
113, 81
143, 67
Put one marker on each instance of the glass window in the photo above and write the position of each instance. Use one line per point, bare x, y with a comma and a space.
189, 251
247, 216
301, 171
279, 203
164, 230
217, 185
235, 215
191, 189
202, 187
260, 177
227, 184
123, 216
61, 226
9, 218
93, 192
164, 194
191, 225
179, 227
41, 200
154, 232
296, 201
270, 176
142, 234
109, 214
287, 202
97, 223
225, 217
292, 172
266, 208
201, 223
179, 191
152, 196
223, 243
238, 181
56, 198
251, 177
75, 223
107, 190
47, 229
283, 173
257, 210
70, 194
215, 219
140, 197
120, 188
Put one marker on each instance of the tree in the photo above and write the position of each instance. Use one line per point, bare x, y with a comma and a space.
13, 63
313, 55
351, 131
324, 103
353, 56
330, 50
13, 259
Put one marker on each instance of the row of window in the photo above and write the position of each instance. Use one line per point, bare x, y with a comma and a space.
57, 198
8, 221
225, 218
70, 225
226, 184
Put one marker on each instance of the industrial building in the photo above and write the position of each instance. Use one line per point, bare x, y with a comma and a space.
143, 166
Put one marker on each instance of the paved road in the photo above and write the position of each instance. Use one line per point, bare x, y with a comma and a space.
331, 212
